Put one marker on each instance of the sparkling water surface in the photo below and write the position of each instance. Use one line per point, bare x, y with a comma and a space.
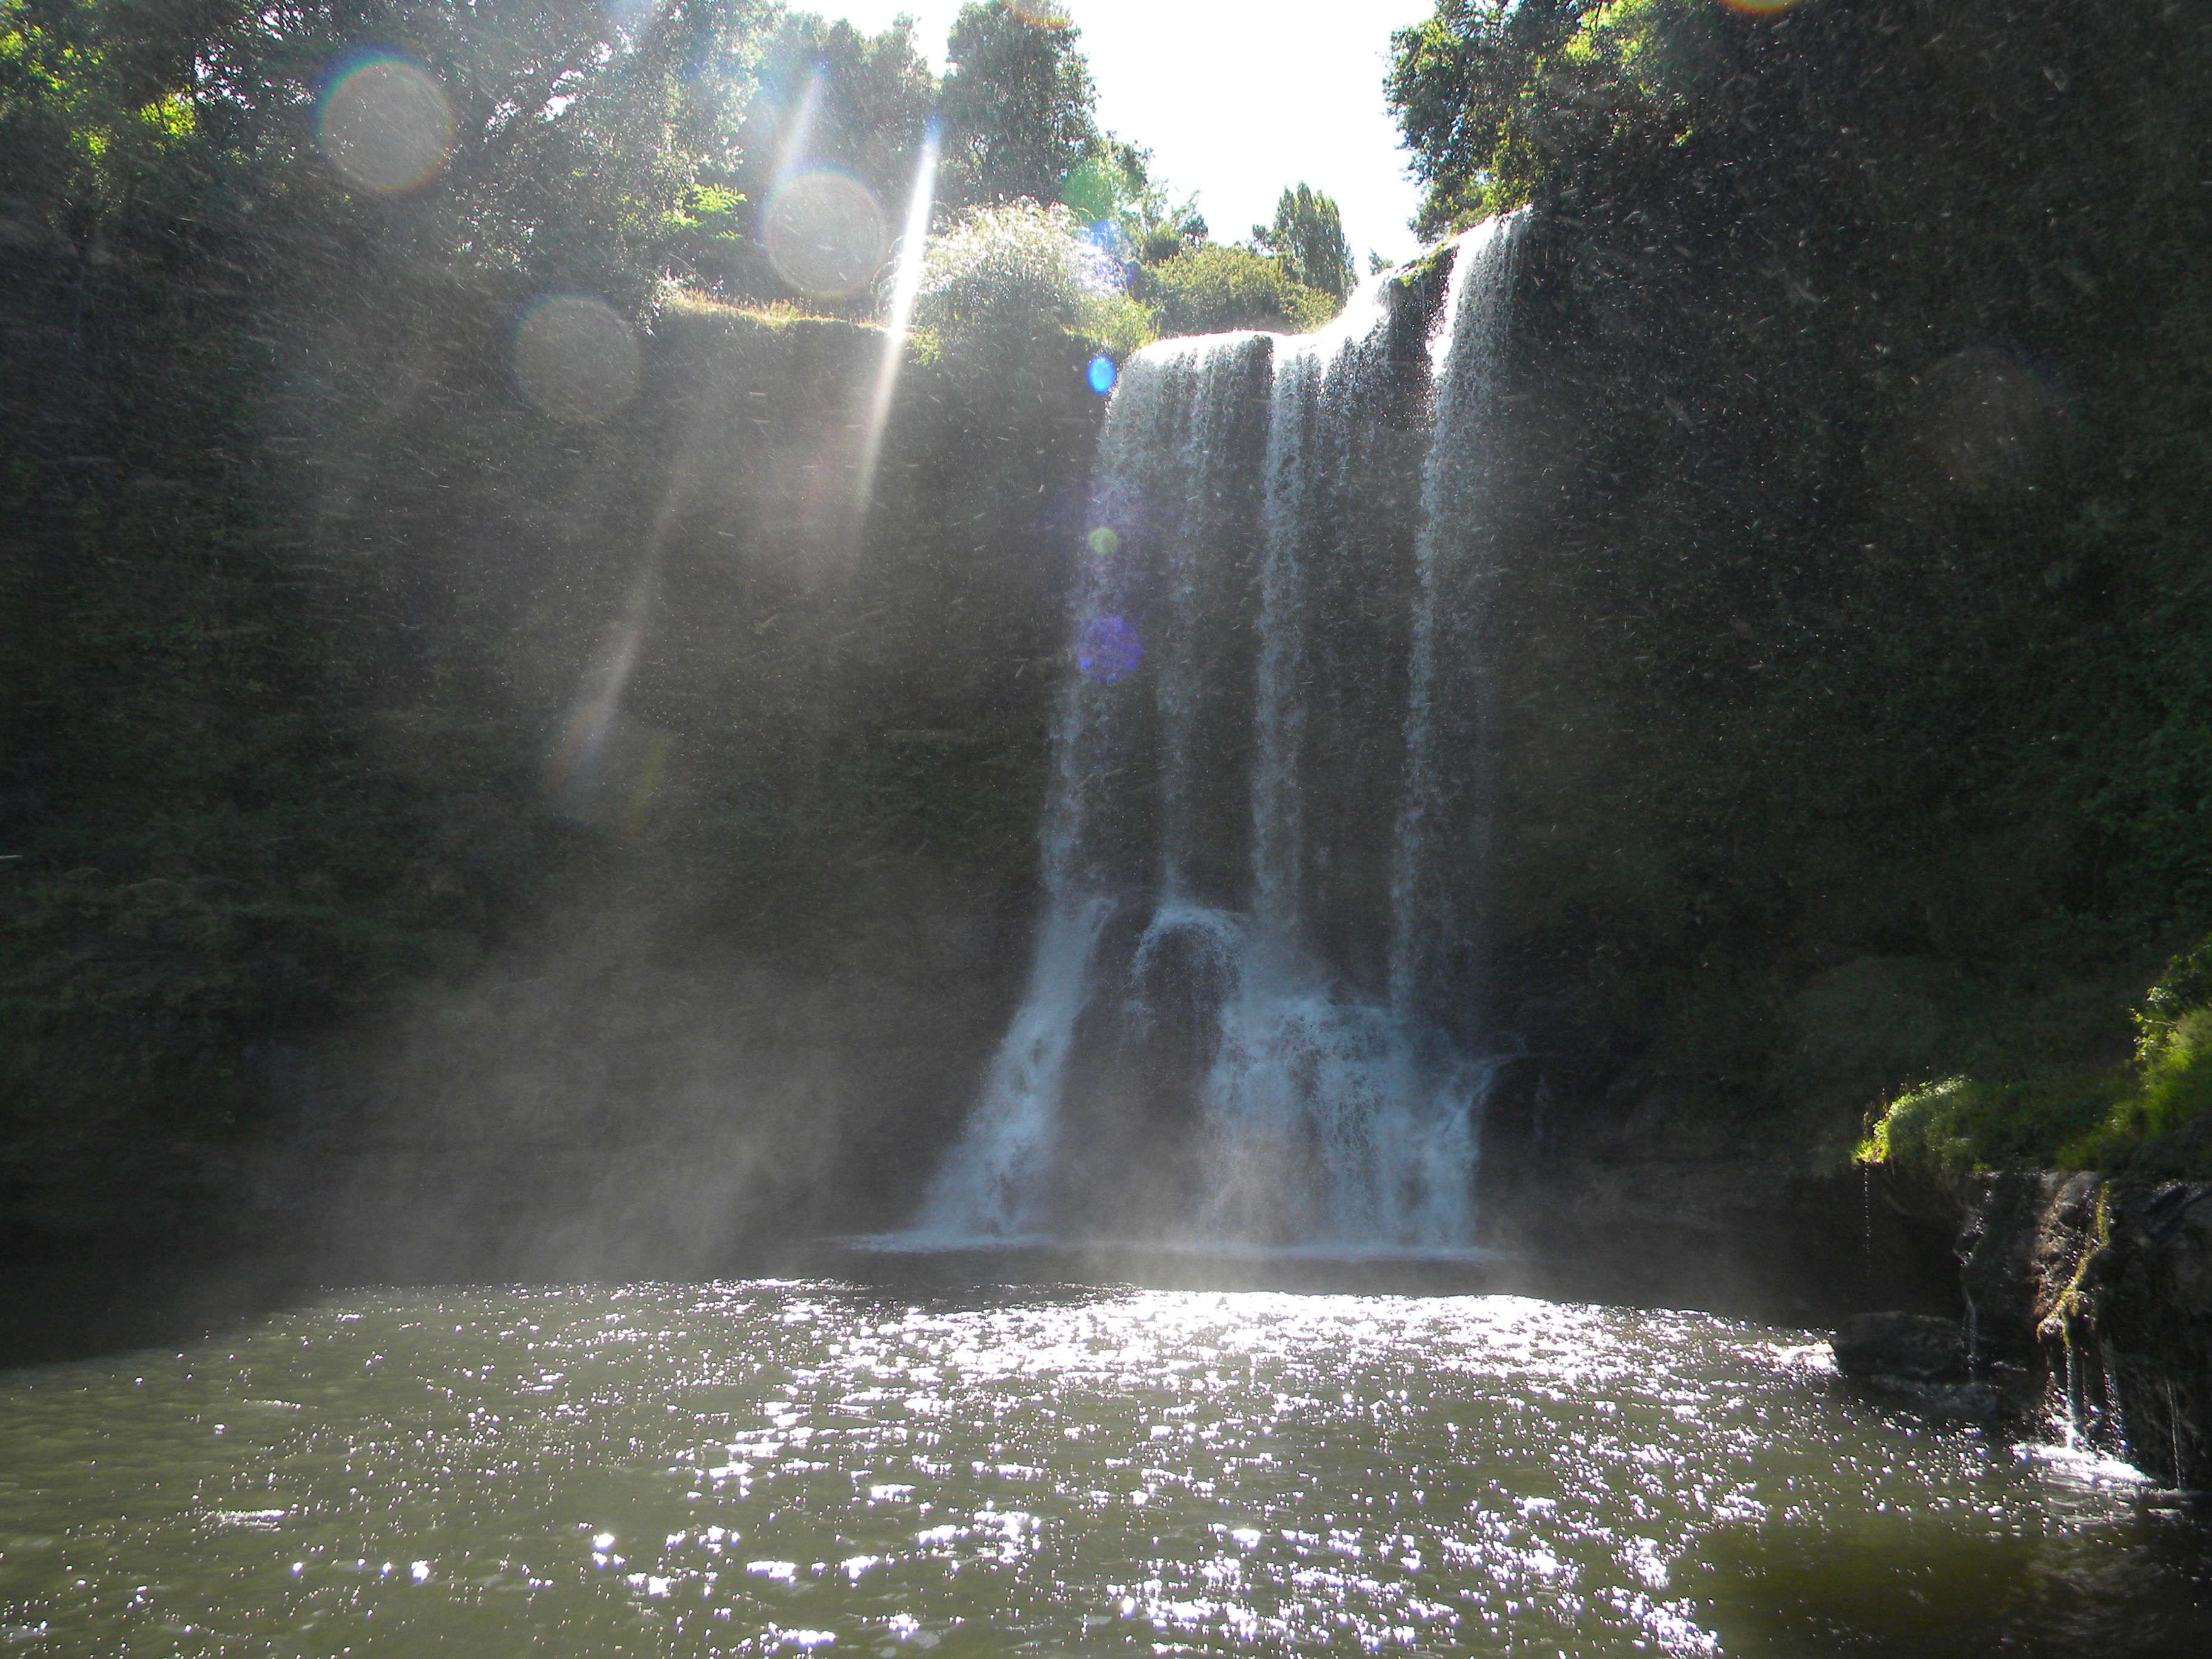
775, 1467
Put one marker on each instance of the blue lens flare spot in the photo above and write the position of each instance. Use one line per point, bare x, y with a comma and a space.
1101, 374
1108, 647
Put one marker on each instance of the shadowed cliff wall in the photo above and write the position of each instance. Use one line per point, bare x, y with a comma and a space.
506, 844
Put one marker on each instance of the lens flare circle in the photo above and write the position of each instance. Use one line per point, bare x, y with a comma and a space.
384, 122
1109, 648
1103, 543
1100, 372
824, 232
574, 357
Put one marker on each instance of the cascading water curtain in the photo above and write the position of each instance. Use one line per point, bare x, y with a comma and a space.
997, 1183
1208, 643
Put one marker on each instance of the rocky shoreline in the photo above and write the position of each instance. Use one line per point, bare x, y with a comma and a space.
2088, 1306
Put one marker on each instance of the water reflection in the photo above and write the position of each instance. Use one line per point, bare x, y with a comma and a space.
766, 1466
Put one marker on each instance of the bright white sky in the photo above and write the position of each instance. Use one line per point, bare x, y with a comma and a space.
1237, 99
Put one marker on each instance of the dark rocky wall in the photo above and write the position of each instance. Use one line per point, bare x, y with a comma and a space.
1844, 592
2099, 1294
671, 820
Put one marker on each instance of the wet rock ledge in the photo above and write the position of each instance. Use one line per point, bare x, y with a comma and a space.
2087, 1297
2101, 1288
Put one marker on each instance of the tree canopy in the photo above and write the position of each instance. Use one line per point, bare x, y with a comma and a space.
1020, 111
1308, 237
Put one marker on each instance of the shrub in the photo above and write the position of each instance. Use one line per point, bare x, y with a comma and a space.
1011, 272
2173, 1066
1210, 289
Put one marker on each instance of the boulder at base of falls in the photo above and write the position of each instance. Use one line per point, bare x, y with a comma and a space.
1919, 1360
1917, 1347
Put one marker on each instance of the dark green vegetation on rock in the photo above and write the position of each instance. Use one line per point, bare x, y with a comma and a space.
1852, 648
323, 834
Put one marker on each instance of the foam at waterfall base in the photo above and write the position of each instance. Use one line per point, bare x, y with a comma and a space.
1324, 1124
911, 1242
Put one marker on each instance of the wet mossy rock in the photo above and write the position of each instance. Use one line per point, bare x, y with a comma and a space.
2102, 1289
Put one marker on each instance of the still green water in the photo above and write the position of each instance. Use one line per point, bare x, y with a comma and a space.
775, 1467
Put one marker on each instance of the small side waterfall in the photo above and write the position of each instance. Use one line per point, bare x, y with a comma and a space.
1257, 975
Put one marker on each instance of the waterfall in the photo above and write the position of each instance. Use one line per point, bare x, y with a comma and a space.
1454, 573
1262, 842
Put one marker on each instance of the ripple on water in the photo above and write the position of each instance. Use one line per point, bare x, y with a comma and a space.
771, 1468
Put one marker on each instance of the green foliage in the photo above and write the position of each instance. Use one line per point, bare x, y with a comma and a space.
1501, 99
2173, 1077
1019, 107
1958, 1125
1207, 289
2182, 991
1464, 84
1308, 237
1114, 188
2025, 1101
2176, 1089
1005, 276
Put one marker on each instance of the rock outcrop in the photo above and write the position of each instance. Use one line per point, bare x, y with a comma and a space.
1924, 1348
2102, 1289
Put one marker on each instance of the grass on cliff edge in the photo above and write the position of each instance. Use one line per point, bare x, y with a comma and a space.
2151, 1116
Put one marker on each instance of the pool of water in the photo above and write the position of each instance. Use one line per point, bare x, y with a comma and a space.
769, 1466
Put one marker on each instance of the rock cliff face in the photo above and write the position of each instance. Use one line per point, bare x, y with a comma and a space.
794, 734
640, 855
2102, 1289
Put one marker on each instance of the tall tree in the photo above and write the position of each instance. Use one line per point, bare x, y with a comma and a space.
829, 95
824, 95
1020, 107
1308, 237
1467, 84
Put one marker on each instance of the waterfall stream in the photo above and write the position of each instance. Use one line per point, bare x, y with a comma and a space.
1255, 1014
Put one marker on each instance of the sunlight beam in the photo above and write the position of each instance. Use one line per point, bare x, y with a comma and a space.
906, 286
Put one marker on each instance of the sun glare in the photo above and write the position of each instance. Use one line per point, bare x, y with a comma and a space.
899, 320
